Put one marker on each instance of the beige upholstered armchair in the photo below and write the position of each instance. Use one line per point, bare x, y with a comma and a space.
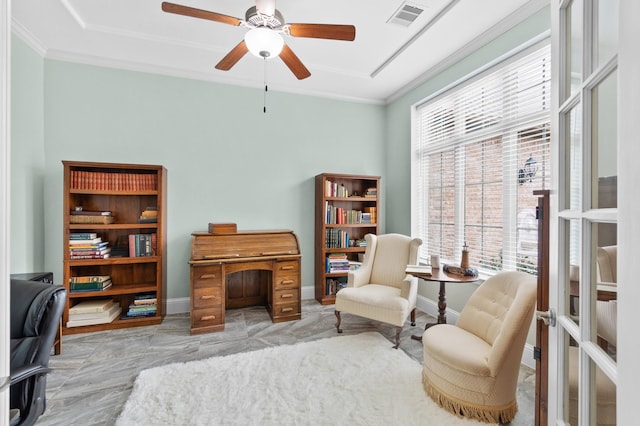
607, 290
471, 368
380, 289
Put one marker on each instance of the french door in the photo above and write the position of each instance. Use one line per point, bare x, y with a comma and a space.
583, 271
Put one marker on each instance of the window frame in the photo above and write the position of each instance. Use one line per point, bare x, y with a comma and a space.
511, 126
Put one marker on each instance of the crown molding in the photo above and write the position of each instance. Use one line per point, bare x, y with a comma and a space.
27, 36
498, 29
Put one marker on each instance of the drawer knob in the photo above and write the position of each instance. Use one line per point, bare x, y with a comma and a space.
208, 318
206, 297
287, 296
286, 282
287, 310
207, 276
286, 268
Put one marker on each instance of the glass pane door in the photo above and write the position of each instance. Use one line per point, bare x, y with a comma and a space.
585, 338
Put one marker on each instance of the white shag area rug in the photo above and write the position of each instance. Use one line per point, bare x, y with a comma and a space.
344, 380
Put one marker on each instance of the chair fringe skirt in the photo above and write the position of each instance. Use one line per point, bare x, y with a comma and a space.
484, 413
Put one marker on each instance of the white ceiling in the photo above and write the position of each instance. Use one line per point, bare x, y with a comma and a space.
384, 61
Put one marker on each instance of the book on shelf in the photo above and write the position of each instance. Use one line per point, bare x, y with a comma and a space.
372, 212
145, 298
108, 181
83, 212
84, 241
93, 248
93, 286
89, 279
92, 256
149, 215
337, 263
337, 238
104, 317
143, 305
91, 306
97, 246
333, 189
341, 216
90, 251
333, 285
95, 315
142, 245
371, 193
83, 236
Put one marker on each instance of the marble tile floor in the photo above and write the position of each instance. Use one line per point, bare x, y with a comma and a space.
94, 375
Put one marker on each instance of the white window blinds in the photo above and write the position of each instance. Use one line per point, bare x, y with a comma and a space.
479, 151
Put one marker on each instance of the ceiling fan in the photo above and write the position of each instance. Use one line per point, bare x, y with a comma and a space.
264, 39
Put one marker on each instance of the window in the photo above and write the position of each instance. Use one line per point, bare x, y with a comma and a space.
480, 149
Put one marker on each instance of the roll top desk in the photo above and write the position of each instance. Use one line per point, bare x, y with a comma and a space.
241, 269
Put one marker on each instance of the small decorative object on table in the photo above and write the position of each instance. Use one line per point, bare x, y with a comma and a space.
467, 272
464, 263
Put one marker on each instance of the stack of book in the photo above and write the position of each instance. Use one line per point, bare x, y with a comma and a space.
144, 305
371, 193
89, 283
91, 312
87, 245
149, 215
337, 262
141, 245
88, 216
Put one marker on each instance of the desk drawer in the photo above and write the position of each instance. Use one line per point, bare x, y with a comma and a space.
287, 275
206, 317
206, 276
206, 297
286, 309
286, 296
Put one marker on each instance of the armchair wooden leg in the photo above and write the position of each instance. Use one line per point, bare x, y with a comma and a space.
413, 317
339, 320
398, 331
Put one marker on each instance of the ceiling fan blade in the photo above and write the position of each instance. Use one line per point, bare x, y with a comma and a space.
293, 62
199, 13
233, 57
328, 31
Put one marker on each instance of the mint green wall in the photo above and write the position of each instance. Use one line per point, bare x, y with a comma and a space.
227, 161
398, 118
27, 159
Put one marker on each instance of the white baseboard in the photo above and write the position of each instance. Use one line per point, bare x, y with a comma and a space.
181, 305
430, 307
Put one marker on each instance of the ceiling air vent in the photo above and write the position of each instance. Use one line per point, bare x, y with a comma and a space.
405, 15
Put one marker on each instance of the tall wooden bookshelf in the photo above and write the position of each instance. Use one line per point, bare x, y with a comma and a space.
347, 208
124, 191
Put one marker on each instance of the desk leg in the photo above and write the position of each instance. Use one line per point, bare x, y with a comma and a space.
442, 311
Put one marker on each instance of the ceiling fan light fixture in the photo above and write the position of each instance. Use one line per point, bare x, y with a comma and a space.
264, 42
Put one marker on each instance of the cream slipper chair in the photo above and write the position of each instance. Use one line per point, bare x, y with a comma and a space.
381, 290
471, 368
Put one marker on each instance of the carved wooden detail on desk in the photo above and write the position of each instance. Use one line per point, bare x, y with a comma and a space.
246, 268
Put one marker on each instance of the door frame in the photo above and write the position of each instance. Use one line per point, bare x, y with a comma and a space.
622, 215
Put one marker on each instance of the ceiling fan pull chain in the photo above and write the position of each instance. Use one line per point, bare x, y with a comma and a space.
264, 99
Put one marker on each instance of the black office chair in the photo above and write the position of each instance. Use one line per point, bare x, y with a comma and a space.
36, 308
